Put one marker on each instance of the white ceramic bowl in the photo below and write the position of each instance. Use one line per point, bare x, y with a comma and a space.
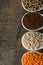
27, 53
29, 48
26, 27
27, 9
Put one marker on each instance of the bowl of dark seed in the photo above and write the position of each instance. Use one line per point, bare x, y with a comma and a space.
32, 21
32, 5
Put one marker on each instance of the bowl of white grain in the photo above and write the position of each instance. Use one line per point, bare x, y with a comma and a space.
32, 41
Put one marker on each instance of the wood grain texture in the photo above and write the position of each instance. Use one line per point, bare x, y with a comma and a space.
11, 32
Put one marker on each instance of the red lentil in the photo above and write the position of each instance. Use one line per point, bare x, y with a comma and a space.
33, 58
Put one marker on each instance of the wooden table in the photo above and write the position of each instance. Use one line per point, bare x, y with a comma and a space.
11, 31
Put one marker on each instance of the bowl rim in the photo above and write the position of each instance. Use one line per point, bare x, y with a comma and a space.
29, 10
26, 27
27, 53
30, 49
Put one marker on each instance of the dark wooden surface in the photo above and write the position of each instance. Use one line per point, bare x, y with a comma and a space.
11, 32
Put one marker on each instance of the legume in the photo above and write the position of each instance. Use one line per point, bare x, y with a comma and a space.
33, 58
33, 4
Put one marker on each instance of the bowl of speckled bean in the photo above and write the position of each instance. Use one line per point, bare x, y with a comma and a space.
32, 5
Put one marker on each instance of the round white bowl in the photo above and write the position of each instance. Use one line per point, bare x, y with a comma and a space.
26, 27
29, 10
29, 48
27, 53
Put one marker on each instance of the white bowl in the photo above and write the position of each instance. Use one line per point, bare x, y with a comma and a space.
26, 27
29, 48
27, 53
29, 10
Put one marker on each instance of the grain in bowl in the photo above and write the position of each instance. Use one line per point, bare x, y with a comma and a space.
32, 41
32, 58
